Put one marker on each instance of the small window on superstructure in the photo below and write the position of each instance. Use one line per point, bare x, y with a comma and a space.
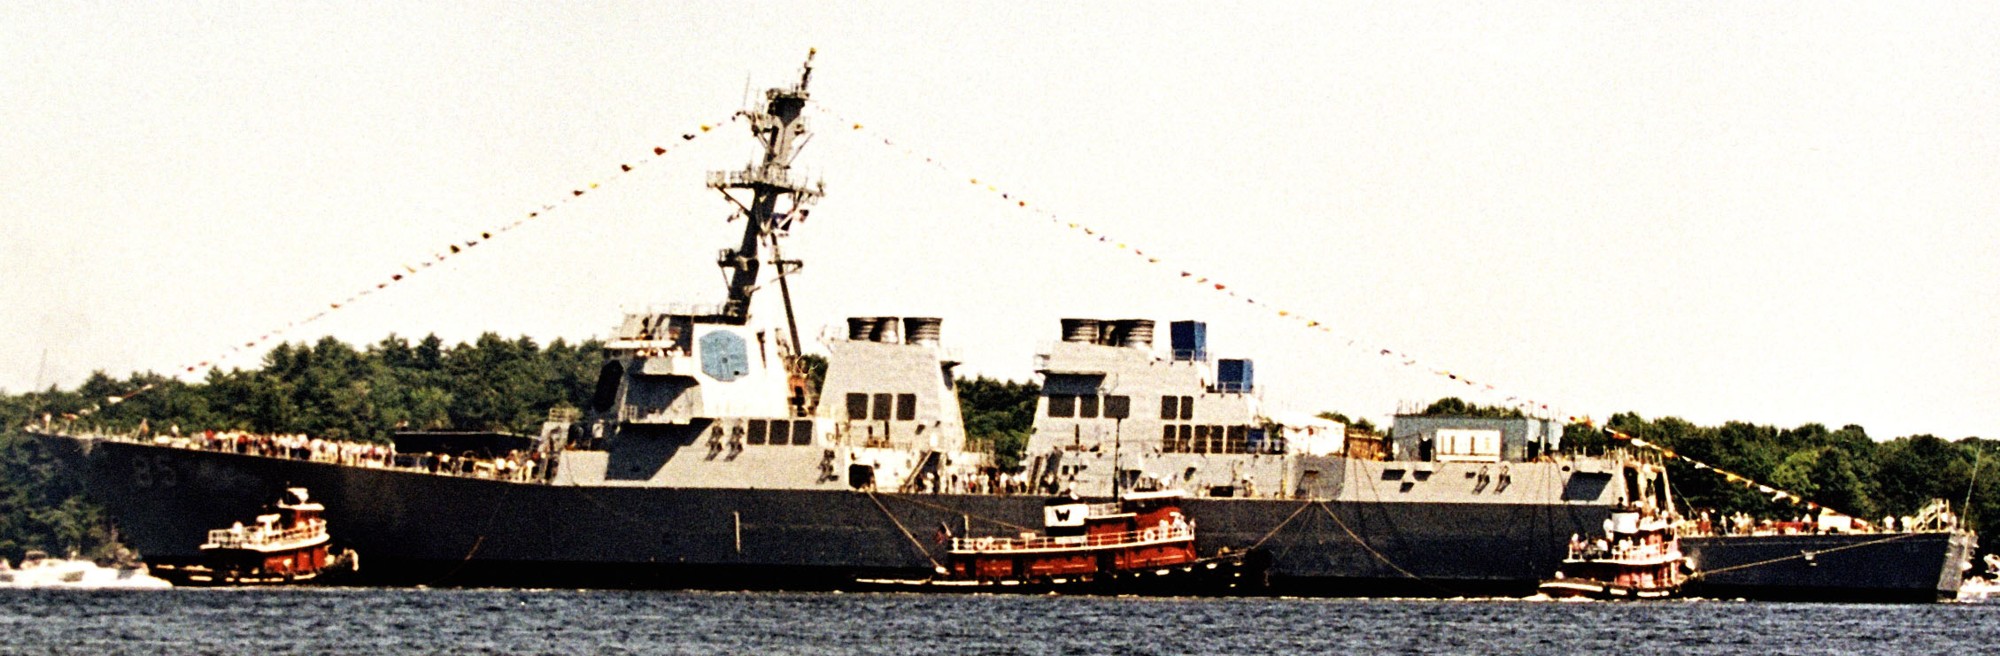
1117, 407
1187, 408
1170, 407
756, 435
802, 432
1239, 439
1187, 438
1167, 442
906, 407
1062, 405
779, 429
857, 406
1087, 406
882, 401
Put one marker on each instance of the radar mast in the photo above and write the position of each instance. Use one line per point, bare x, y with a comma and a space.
782, 132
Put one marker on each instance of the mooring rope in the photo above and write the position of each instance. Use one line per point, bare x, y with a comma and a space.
937, 506
1281, 525
936, 566
1803, 555
498, 503
614, 512
1380, 556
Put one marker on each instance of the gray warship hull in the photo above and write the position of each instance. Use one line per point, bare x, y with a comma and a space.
1865, 567
415, 528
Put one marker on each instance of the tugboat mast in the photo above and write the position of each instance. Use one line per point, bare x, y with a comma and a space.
783, 133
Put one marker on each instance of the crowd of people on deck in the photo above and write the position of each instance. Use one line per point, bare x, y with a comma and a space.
1741, 523
991, 481
296, 447
511, 466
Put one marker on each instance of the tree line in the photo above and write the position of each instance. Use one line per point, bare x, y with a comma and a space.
327, 389
333, 390
1843, 469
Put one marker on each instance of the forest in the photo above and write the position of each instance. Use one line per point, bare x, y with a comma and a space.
333, 390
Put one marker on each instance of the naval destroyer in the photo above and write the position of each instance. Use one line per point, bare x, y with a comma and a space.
706, 458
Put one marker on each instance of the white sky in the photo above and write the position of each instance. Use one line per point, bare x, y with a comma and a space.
1779, 213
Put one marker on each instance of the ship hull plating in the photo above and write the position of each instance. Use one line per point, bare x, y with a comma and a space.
413, 528
1859, 567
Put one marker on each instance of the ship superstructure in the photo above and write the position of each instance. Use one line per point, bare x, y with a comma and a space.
719, 395
1115, 415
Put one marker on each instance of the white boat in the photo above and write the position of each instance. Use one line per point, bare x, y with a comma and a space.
1980, 589
39, 570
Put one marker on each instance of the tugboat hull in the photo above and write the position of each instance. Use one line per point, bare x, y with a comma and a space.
1602, 591
1227, 574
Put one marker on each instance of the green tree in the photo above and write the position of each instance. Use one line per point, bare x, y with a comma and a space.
999, 415
1452, 406
1342, 418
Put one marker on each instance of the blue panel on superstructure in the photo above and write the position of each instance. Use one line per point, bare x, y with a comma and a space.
723, 356
1190, 340
1233, 375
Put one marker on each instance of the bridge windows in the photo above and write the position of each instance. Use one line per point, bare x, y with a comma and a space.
880, 407
1062, 405
1117, 406
775, 432
1195, 438
1089, 406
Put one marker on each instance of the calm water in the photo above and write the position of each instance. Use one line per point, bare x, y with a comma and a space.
315, 621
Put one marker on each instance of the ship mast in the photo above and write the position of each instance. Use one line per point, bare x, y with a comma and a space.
783, 133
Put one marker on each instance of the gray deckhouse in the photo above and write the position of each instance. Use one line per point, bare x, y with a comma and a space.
1475, 439
1118, 415
1115, 416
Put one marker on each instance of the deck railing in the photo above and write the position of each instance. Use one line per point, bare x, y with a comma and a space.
352, 454
1143, 536
258, 536
1622, 551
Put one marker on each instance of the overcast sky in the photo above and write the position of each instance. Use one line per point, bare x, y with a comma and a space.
1779, 212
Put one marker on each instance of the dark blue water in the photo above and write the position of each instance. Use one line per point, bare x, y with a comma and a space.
336, 621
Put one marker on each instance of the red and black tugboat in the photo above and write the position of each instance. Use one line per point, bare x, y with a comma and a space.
1638, 557
1141, 544
288, 545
